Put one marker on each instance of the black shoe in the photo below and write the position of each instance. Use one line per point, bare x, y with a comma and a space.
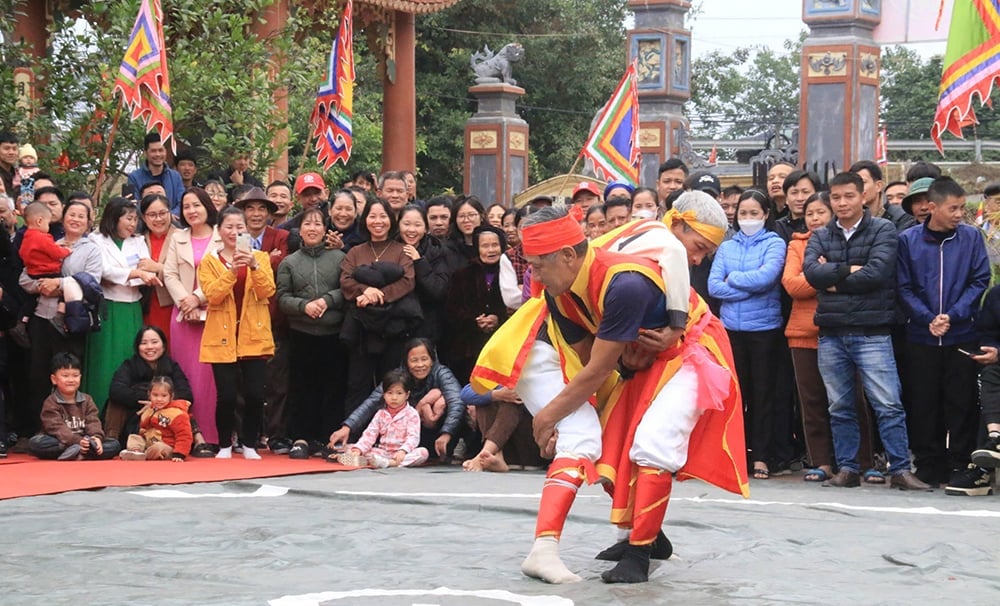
205, 450
971, 482
317, 449
989, 455
632, 568
3, 449
299, 450
279, 446
661, 549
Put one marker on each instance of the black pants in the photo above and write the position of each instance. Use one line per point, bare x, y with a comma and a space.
944, 409
366, 369
990, 395
756, 357
46, 341
244, 377
318, 375
276, 392
49, 447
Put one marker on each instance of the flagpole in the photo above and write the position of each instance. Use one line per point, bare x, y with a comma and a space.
107, 153
570, 173
305, 154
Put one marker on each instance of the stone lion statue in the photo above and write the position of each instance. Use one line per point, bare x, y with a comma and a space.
495, 67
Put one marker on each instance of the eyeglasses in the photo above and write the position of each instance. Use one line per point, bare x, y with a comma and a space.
216, 194
160, 215
468, 216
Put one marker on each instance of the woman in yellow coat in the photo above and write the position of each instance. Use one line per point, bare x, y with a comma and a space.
237, 282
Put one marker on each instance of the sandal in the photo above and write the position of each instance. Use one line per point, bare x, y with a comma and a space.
761, 473
873, 476
816, 475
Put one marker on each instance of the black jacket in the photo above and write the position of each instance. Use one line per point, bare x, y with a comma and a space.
433, 273
865, 300
130, 384
899, 217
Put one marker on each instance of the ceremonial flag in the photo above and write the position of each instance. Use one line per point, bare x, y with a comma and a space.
882, 148
142, 76
334, 110
612, 145
971, 64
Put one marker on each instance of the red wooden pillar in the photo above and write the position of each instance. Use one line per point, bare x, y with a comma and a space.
399, 110
31, 27
271, 22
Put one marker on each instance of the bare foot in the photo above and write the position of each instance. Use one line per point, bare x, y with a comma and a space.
473, 464
493, 462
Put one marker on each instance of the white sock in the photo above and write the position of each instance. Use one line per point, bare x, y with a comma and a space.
543, 563
623, 534
225, 453
250, 454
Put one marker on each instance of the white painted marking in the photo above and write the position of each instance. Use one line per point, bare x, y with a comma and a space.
457, 495
315, 599
927, 511
265, 490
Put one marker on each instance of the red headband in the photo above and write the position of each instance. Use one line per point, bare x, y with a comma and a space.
548, 237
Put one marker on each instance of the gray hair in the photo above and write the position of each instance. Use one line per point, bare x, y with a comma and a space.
705, 207
7, 200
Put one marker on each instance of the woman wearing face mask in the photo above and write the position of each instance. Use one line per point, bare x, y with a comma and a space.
745, 277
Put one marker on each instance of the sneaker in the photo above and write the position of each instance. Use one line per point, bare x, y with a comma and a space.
379, 462
132, 455
3, 449
237, 446
973, 481
71, 453
299, 450
350, 459
280, 446
989, 455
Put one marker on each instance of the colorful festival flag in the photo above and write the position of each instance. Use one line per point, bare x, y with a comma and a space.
971, 65
142, 79
612, 145
332, 116
882, 147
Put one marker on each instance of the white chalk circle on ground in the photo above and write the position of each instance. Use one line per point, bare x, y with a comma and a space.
442, 596
265, 490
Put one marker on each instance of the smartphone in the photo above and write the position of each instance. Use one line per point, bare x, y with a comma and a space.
974, 352
128, 191
244, 242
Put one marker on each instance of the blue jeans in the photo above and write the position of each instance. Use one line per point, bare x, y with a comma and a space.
841, 358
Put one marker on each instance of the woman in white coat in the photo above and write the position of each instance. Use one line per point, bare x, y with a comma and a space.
121, 251
185, 249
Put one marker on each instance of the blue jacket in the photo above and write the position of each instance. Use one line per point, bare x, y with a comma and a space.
170, 178
949, 277
746, 278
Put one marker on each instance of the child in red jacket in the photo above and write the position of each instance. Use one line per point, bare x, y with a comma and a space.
164, 424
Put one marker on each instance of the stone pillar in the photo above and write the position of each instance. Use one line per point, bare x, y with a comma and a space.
31, 19
269, 24
838, 115
496, 145
399, 109
662, 47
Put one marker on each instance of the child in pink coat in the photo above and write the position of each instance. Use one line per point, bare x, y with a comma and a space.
392, 438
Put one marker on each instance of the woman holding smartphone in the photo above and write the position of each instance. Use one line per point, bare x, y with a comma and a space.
237, 282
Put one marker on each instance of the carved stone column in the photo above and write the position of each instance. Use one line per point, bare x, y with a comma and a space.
662, 47
496, 145
838, 118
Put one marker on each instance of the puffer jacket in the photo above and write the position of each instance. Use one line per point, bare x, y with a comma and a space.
307, 274
440, 377
220, 342
745, 277
801, 331
946, 277
170, 424
865, 300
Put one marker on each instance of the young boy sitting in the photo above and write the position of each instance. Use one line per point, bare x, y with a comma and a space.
71, 428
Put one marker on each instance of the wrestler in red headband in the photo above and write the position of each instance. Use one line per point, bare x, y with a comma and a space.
551, 236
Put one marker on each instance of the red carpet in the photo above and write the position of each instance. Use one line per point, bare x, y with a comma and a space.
23, 476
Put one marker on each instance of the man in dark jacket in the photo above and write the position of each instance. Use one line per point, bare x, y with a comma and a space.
852, 264
943, 273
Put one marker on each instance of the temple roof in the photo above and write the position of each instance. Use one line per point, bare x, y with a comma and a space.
413, 6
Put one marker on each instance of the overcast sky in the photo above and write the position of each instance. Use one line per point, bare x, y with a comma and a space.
727, 24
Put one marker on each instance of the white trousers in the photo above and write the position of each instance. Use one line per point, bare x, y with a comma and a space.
540, 382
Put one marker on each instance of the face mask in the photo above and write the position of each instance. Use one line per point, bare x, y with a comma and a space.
750, 227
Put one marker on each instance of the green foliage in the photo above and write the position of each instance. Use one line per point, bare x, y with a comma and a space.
909, 92
744, 92
574, 57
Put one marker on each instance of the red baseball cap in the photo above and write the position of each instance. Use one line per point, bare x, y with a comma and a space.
586, 186
307, 180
